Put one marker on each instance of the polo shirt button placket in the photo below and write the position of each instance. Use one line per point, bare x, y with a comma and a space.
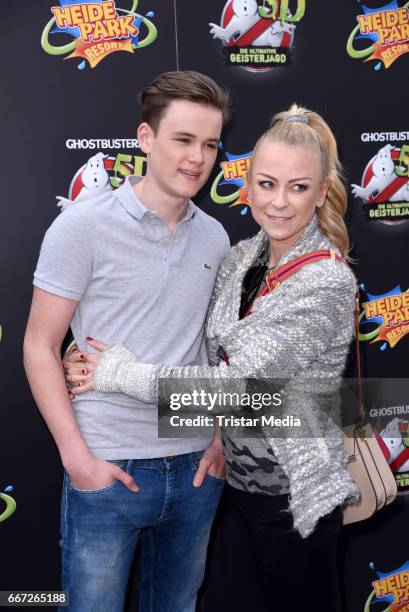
166, 243
177, 242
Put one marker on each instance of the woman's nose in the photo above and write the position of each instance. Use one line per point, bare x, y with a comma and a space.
279, 199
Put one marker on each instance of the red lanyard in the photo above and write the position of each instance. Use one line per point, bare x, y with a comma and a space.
276, 277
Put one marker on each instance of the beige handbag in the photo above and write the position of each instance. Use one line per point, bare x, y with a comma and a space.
366, 462
370, 472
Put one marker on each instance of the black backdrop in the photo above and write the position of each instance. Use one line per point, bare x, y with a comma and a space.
47, 100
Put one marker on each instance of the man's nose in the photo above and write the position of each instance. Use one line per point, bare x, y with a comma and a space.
196, 154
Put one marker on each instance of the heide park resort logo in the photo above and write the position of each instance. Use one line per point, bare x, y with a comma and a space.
382, 34
230, 185
101, 173
384, 188
390, 588
258, 36
96, 29
387, 315
7, 504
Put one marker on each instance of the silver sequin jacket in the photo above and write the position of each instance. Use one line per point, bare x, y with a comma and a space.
301, 330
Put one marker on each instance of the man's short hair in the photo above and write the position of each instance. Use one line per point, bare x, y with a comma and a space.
181, 85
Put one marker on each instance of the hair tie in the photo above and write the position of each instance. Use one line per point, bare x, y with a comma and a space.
295, 119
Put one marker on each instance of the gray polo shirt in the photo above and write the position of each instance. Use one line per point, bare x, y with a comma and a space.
139, 286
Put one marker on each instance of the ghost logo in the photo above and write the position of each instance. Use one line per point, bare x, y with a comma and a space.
257, 37
100, 174
384, 188
95, 178
396, 439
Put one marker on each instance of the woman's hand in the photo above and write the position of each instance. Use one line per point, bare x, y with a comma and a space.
79, 367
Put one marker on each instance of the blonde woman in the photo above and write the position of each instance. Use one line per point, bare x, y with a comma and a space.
282, 507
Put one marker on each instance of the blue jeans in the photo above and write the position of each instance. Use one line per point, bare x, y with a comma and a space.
100, 530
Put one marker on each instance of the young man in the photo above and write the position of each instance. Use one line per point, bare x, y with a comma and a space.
134, 266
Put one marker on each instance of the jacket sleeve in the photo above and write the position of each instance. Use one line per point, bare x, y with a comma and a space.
289, 329
212, 344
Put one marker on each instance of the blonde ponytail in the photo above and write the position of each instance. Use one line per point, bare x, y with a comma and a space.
331, 214
301, 126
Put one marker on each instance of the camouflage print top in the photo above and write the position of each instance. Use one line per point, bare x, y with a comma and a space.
251, 464
253, 467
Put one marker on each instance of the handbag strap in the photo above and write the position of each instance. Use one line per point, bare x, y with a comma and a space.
277, 276
362, 413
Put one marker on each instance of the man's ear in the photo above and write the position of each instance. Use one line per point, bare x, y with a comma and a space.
145, 134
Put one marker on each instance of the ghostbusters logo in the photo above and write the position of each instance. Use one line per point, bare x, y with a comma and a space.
384, 188
257, 37
100, 174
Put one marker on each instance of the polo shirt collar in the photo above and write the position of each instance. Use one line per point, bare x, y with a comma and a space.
134, 206
128, 199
